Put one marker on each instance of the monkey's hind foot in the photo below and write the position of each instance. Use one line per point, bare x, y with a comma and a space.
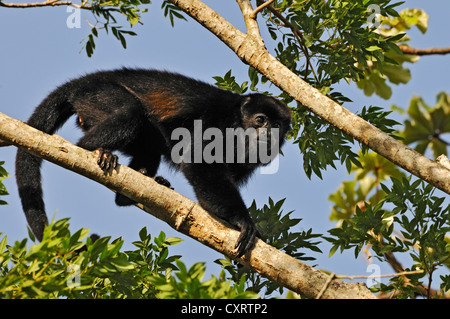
106, 159
162, 181
122, 200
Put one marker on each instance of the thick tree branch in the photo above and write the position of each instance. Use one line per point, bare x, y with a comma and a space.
179, 212
249, 49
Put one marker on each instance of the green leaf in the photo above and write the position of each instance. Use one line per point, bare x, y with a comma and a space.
3, 244
143, 234
373, 48
172, 241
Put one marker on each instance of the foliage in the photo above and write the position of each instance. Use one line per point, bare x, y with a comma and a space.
417, 225
426, 125
365, 187
190, 286
326, 41
377, 73
64, 266
172, 11
3, 175
275, 229
405, 218
106, 14
228, 82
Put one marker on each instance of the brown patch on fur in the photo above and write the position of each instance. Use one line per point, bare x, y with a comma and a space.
163, 104
160, 102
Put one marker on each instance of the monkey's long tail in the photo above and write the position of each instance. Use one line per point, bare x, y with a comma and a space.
51, 114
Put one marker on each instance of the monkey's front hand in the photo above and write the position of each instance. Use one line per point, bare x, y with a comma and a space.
248, 235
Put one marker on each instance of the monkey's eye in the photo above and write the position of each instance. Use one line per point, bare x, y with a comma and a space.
260, 120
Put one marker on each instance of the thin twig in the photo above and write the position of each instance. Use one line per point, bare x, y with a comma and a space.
403, 273
334, 276
325, 286
408, 50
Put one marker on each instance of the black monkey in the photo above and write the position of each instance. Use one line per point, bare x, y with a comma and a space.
135, 111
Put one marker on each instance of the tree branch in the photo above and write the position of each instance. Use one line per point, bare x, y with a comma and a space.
250, 21
45, 4
250, 51
179, 212
408, 50
259, 8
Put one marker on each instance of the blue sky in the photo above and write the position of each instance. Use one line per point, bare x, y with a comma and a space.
38, 52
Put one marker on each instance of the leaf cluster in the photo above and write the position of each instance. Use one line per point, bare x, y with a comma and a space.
377, 74
417, 225
107, 13
188, 284
65, 266
427, 126
326, 41
382, 210
275, 228
3, 175
365, 187
172, 11
321, 143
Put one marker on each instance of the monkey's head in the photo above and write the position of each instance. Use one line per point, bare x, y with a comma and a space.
269, 119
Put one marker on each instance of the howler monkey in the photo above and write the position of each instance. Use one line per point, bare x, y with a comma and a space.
136, 111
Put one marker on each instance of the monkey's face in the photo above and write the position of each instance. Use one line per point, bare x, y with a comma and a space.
266, 120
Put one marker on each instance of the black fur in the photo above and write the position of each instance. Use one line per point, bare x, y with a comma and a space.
135, 111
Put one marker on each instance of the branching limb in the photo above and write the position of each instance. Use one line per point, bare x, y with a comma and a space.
250, 21
260, 8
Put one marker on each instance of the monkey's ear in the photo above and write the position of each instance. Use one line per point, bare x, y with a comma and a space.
245, 102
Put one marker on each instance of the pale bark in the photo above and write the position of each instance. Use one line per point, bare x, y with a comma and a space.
180, 213
251, 50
